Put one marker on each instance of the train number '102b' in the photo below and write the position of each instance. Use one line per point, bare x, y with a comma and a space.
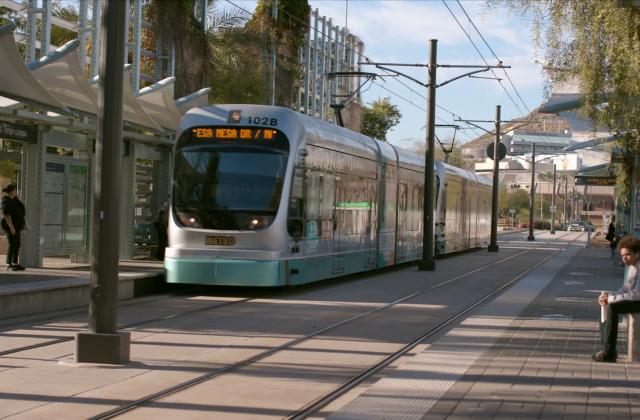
263, 121
220, 240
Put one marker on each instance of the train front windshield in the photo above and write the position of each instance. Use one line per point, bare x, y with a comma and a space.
229, 178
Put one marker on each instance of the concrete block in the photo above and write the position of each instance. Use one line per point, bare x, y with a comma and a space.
103, 348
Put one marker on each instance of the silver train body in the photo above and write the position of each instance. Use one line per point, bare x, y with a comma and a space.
265, 196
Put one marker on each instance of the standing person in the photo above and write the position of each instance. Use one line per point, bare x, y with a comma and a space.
611, 236
13, 222
624, 301
162, 224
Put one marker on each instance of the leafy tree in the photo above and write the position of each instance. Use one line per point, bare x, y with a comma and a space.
379, 117
177, 25
517, 199
289, 31
236, 75
60, 35
599, 43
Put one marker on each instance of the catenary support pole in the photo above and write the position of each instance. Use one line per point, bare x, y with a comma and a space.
274, 55
102, 343
428, 263
564, 202
533, 191
493, 245
553, 203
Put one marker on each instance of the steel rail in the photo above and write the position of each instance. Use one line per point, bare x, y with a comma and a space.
324, 400
126, 326
219, 372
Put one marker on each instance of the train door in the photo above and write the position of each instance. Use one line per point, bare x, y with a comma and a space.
371, 226
339, 228
401, 250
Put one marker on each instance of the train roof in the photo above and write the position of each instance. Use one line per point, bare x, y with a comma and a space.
317, 132
292, 123
454, 170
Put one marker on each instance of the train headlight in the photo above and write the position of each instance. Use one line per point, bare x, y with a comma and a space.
189, 220
257, 222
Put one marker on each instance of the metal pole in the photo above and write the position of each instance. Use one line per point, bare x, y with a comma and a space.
428, 263
493, 246
274, 46
533, 190
553, 202
564, 202
102, 344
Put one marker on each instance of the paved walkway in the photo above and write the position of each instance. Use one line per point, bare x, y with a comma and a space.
525, 355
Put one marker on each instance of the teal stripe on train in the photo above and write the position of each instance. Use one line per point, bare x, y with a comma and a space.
263, 273
225, 272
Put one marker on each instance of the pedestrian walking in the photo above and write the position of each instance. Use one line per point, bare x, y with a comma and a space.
611, 236
162, 224
625, 300
13, 222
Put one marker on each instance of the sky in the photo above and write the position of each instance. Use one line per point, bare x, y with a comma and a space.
398, 31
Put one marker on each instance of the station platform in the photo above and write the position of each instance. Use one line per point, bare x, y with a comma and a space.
527, 354
524, 354
63, 285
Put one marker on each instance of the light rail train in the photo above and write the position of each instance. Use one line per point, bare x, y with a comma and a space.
266, 196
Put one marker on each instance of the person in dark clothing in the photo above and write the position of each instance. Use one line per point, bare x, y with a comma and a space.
611, 237
162, 224
624, 301
13, 221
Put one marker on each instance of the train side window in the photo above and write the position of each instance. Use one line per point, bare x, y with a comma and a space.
295, 215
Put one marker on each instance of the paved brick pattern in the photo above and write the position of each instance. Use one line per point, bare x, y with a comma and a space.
541, 367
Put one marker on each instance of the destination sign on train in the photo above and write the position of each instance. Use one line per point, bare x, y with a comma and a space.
227, 133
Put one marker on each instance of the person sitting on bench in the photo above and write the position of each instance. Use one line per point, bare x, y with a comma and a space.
624, 301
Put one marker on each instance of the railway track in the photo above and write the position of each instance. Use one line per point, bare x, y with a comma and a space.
352, 382
127, 326
320, 402
138, 323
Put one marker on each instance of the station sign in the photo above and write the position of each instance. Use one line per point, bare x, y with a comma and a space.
27, 133
603, 181
502, 150
552, 209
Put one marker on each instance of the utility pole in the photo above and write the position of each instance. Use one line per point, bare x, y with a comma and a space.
274, 46
428, 263
533, 190
553, 202
497, 152
493, 245
102, 343
564, 202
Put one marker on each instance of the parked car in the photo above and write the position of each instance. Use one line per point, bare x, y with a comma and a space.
576, 226
580, 226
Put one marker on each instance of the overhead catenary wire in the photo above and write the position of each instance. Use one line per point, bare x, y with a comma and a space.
482, 57
363, 57
495, 55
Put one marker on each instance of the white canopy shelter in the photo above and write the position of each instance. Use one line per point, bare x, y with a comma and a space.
157, 100
132, 111
61, 73
196, 99
17, 82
